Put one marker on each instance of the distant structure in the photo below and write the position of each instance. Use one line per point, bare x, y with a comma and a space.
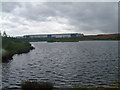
54, 35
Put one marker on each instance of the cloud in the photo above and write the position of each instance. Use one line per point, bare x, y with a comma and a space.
90, 16
8, 6
61, 17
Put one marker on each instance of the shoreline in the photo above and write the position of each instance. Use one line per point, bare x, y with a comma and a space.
9, 57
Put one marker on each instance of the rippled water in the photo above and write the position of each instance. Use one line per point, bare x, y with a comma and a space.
91, 63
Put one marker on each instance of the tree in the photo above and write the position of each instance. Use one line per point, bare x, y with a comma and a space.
4, 34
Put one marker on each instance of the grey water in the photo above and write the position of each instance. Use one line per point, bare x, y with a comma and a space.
65, 64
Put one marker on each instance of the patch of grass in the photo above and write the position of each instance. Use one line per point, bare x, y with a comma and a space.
13, 46
33, 85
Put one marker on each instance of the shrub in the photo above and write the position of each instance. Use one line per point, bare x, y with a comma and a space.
33, 85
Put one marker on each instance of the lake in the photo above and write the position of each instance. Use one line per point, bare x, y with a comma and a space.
65, 64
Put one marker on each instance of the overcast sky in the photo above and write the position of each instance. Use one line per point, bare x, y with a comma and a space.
20, 18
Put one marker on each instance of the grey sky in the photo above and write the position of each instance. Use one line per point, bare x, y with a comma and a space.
19, 18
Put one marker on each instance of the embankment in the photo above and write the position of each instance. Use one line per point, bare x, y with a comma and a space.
14, 46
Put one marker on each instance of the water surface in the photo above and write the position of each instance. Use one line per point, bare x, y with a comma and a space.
65, 64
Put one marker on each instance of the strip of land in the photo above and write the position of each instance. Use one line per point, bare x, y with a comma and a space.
12, 46
75, 39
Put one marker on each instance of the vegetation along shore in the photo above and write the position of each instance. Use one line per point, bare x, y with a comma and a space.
12, 46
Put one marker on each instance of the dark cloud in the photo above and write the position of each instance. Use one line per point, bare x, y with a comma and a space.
89, 16
36, 12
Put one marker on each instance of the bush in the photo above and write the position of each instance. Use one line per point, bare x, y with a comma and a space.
32, 85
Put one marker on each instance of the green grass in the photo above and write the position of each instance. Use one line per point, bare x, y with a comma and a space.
13, 46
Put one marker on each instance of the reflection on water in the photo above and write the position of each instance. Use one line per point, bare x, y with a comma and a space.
91, 63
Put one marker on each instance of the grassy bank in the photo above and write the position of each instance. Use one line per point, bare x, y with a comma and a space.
13, 46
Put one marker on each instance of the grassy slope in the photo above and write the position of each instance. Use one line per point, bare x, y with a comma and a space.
14, 46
